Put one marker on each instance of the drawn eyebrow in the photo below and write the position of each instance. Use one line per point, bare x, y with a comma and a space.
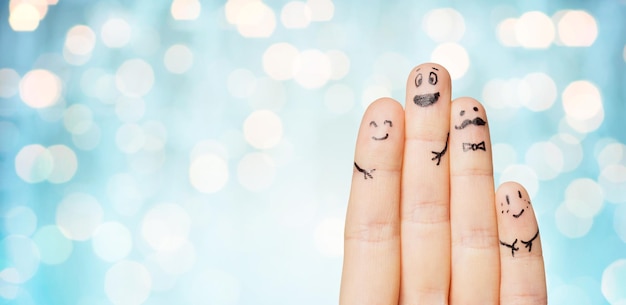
435, 68
388, 121
507, 199
417, 69
373, 123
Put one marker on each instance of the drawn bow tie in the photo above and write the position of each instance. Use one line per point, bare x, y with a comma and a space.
474, 146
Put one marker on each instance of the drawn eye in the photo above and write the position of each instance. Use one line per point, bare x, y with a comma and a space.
432, 79
418, 80
388, 122
372, 123
462, 112
476, 109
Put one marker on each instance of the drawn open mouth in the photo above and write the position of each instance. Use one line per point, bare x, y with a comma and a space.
519, 214
424, 100
381, 138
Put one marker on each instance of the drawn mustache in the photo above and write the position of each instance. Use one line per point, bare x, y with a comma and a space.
426, 99
477, 121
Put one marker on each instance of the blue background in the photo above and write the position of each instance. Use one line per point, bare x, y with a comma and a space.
267, 229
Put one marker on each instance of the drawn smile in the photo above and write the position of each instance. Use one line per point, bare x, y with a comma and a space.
519, 214
427, 99
477, 121
381, 138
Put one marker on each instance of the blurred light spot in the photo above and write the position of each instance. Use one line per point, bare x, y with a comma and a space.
624, 55
54, 113
612, 153
241, 83
295, 15
614, 281
53, 246
112, 241
582, 100
254, 18
9, 83
328, 237
506, 32
278, 60
20, 220
372, 93
115, 33
584, 198
127, 283
573, 150
269, 94
130, 109
339, 99
78, 215
8, 292
539, 92
89, 139
40, 88
147, 162
214, 287
493, 93
312, 69
185, 9
582, 103
534, 30
24, 17
444, 25
34, 163
40, 5
208, 173
80, 41
155, 136
134, 78
340, 64
619, 221
504, 155
77, 119
130, 138
165, 227
546, 160
522, 174
161, 281
124, 194
282, 154
178, 58
569, 294
263, 129
321, 10
571, 225
452, 56
179, 261
577, 28
612, 179
20, 259
256, 171
65, 164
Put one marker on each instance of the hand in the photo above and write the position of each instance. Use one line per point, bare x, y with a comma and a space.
424, 225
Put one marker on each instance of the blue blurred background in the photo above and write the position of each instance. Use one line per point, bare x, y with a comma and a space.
200, 152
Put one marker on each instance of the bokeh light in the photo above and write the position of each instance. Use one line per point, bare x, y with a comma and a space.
201, 152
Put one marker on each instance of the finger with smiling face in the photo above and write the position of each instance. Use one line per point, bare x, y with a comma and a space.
371, 267
522, 276
474, 235
425, 210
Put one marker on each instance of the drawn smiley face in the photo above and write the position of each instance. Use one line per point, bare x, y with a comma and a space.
477, 121
380, 138
426, 99
517, 208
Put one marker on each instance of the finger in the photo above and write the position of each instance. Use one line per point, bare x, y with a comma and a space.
425, 224
522, 276
371, 267
475, 254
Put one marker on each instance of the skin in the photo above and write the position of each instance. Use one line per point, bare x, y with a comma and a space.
426, 227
